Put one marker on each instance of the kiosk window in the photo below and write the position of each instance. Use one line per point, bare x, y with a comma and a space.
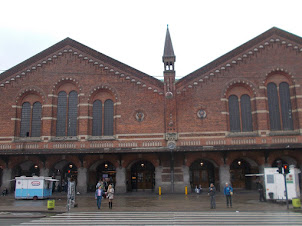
270, 179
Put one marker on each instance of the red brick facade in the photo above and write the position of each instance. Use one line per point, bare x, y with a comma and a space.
165, 134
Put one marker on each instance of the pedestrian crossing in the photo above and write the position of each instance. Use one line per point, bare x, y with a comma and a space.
171, 218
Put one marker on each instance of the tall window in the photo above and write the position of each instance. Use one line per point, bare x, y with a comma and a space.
240, 116
31, 120
279, 105
102, 122
67, 113
97, 118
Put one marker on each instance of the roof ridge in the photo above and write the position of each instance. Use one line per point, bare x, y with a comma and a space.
243, 47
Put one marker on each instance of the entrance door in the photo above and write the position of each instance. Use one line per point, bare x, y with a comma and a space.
106, 172
200, 177
201, 174
238, 169
142, 176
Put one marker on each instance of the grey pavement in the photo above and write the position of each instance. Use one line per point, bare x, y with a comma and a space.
243, 201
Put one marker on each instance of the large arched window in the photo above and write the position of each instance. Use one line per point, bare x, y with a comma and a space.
31, 120
240, 116
97, 118
279, 106
108, 118
234, 114
246, 113
67, 116
102, 122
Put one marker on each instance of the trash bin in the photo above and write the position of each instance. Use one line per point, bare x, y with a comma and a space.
296, 203
271, 195
50, 204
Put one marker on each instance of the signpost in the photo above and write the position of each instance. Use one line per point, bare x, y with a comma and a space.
70, 194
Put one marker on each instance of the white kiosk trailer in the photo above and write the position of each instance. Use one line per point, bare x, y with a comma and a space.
33, 187
274, 186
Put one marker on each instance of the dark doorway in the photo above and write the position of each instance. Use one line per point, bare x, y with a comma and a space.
238, 169
142, 176
202, 173
106, 172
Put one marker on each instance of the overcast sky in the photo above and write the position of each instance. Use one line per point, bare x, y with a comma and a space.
133, 32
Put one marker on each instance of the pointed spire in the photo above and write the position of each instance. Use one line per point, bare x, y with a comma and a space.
168, 50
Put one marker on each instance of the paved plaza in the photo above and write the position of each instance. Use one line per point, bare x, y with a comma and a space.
246, 201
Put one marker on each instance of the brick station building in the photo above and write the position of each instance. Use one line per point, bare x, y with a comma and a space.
73, 111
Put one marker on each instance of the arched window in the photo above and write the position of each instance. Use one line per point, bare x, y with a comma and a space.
31, 120
240, 116
36, 120
97, 118
25, 120
273, 106
102, 126
108, 118
72, 113
246, 113
67, 117
279, 104
286, 108
234, 114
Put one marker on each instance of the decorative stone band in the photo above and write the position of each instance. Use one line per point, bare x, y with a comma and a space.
297, 110
16, 106
258, 98
52, 95
48, 118
85, 104
15, 119
84, 117
296, 97
49, 106
260, 112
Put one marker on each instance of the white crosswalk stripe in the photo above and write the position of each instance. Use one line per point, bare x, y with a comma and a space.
171, 218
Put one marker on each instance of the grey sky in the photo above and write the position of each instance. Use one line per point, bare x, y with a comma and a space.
133, 32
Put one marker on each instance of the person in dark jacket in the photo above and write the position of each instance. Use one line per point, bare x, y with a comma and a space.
212, 193
228, 192
261, 192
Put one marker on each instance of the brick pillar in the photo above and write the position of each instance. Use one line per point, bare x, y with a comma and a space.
186, 173
224, 176
120, 178
158, 179
82, 180
6, 177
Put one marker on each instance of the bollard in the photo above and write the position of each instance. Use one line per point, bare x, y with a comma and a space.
159, 190
186, 190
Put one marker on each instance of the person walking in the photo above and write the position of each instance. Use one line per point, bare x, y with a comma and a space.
212, 193
261, 192
110, 193
228, 192
98, 196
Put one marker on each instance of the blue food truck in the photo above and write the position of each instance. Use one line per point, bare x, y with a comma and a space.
33, 187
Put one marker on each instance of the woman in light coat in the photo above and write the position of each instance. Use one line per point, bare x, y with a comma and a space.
110, 192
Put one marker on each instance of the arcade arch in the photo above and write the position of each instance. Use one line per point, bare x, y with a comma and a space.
101, 170
141, 176
202, 173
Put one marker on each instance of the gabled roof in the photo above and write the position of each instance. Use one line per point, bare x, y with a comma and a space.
85, 49
274, 31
